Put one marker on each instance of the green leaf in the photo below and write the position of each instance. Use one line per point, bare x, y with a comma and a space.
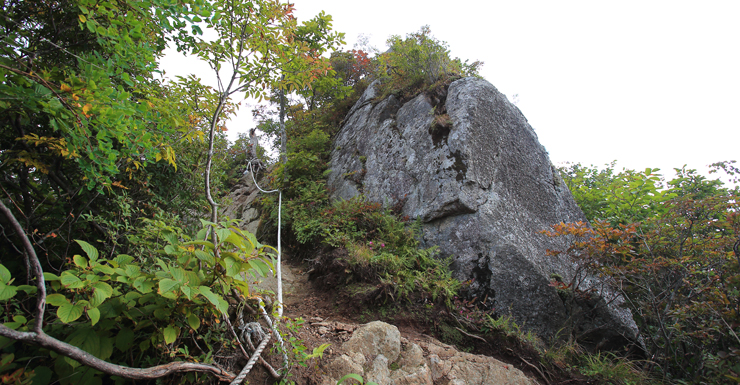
233, 267
80, 261
105, 269
205, 257
193, 321
68, 312
252, 239
206, 223
7, 292
215, 299
71, 281
318, 351
4, 274
223, 234
170, 334
234, 239
189, 291
178, 274
162, 313
132, 271
125, 339
20, 319
167, 285
88, 341
353, 376
143, 285
260, 266
207, 244
102, 292
192, 278
123, 259
51, 277
91, 251
28, 289
106, 348
131, 296
94, 315
57, 299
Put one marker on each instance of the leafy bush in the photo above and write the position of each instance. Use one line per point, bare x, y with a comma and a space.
678, 269
142, 307
419, 59
381, 247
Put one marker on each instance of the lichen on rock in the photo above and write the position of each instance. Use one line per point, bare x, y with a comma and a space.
484, 188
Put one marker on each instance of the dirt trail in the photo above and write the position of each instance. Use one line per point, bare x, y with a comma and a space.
331, 319
327, 321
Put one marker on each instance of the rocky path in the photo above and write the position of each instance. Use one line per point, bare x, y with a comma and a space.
378, 351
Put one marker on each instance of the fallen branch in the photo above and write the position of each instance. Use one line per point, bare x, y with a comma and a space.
87, 359
471, 335
532, 366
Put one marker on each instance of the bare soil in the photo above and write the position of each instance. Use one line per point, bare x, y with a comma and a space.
330, 315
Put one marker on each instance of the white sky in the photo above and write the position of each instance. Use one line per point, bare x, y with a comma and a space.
646, 83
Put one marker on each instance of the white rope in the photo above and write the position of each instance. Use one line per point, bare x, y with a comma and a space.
279, 262
243, 374
250, 168
276, 333
278, 268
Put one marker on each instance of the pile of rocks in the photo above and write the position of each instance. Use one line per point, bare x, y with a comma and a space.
377, 352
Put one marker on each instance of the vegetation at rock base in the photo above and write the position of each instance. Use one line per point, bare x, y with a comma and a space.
380, 253
673, 251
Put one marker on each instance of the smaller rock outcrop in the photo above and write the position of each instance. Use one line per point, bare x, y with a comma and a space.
242, 204
377, 352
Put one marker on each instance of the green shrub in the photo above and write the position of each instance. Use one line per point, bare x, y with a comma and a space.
420, 59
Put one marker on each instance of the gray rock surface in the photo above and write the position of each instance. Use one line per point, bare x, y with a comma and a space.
376, 338
467, 163
427, 362
241, 205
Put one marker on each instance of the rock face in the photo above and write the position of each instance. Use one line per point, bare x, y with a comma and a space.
398, 361
242, 206
464, 160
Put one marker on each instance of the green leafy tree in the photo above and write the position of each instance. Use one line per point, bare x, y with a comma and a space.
80, 107
91, 139
618, 197
420, 59
674, 255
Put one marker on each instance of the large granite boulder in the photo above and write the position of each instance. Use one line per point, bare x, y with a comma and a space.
465, 161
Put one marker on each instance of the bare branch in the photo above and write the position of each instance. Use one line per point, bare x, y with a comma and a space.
35, 265
88, 359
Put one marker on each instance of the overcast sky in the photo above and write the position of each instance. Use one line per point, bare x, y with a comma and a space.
646, 83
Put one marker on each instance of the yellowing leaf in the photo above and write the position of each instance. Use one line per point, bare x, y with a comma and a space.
86, 109
193, 321
170, 334
66, 88
82, 18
